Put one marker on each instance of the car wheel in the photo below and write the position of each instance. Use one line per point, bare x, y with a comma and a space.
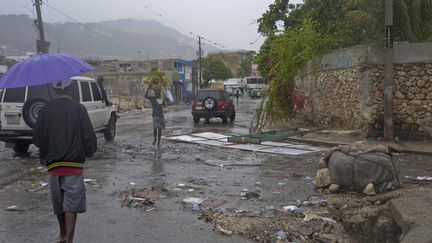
196, 120
31, 110
111, 129
21, 147
224, 120
232, 117
209, 103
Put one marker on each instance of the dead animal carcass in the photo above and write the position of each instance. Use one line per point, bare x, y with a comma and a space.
358, 168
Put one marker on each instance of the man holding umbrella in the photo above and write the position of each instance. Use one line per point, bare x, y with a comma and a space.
64, 133
65, 137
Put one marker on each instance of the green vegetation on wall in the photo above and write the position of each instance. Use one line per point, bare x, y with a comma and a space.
296, 33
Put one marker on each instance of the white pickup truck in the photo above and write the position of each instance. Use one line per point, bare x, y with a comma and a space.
19, 108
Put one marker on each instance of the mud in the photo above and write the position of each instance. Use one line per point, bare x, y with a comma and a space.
278, 180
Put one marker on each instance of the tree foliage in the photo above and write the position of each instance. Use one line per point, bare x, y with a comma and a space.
296, 34
214, 69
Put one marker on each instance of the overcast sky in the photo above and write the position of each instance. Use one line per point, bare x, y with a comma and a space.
231, 23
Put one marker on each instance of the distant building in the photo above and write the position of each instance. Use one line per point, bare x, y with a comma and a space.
120, 74
183, 82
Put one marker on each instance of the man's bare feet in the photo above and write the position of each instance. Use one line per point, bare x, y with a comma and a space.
61, 239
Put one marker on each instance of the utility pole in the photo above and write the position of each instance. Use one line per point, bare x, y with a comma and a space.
200, 61
41, 44
388, 72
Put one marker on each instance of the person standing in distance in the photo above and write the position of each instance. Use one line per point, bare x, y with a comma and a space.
65, 137
156, 100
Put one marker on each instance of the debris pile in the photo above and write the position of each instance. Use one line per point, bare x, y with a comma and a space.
358, 168
142, 198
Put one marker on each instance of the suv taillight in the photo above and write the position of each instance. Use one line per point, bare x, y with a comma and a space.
222, 106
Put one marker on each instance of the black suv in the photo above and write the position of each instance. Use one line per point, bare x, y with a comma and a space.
213, 103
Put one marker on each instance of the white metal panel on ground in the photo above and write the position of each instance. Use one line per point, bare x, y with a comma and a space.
220, 140
210, 135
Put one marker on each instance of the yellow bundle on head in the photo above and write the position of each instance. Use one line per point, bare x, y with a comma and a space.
157, 79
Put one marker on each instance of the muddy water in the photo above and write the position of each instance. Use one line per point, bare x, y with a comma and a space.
132, 159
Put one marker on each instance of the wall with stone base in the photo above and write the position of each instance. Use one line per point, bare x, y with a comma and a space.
345, 90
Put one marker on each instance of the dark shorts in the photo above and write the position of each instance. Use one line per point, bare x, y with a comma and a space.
68, 193
159, 121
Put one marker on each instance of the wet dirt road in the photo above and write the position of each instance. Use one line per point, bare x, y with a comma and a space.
181, 168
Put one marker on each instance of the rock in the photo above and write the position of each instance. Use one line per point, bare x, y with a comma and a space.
399, 95
322, 164
323, 178
334, 188
369, 189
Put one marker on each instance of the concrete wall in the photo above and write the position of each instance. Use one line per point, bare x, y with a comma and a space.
344, 90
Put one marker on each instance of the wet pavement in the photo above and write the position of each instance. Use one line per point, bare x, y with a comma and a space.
181, 169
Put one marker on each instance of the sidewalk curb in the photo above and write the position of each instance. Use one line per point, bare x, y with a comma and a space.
334, 144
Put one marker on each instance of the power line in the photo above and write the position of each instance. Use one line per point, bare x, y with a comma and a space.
88, 28
214, 43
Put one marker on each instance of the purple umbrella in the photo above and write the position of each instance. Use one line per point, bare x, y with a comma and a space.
43, 69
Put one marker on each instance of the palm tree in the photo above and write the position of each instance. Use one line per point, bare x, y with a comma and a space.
412, 19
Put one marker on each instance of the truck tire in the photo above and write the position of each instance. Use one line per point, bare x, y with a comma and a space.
21, 147
111, 129
232, 117
224, 120
31, 110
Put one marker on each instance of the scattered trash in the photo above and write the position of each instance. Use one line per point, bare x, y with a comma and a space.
327, 219
89, 180
308, 178
248, 195
282, 184
14, 208
197, 158
408, 178
180, 184
43, 184
323, 202
198, 181
293, 209
223, 231
142, 198
150, 209
281, 235
309, 216
276, 193
132, 184
424, 178
136, 202
193, 202
269, 208
191, 190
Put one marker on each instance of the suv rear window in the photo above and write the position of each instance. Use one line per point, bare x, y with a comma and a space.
15, 95
96, 93
74, 91
202, 94
85, 91
39, 91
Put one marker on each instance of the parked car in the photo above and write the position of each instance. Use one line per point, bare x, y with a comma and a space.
213, 103
255, 93
19, 109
